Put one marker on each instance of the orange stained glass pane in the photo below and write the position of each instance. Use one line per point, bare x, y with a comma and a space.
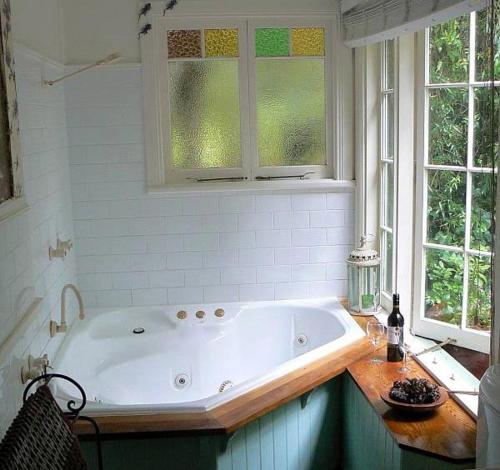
184, 43
221, 43
308, 41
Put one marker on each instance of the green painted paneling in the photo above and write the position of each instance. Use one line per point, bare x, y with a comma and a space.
289, 438
368, 445
337, 429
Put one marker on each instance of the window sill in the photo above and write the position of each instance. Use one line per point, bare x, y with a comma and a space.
12, 207
326, 185
445, 369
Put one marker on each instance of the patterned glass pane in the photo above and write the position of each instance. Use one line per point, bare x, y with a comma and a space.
479, 301
205, 114
308, 41
291, 112
221, 43
184, 43
271, 42
444, 276
446, 207
483, 187
449, 51
448, 116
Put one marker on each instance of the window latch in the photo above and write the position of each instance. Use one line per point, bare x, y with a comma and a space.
284, 177
227, 178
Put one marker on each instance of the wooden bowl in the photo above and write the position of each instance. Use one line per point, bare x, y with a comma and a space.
416, 408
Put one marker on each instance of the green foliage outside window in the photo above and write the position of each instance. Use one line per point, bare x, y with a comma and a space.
446, 192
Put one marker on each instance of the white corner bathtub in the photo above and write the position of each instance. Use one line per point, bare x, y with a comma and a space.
181, 365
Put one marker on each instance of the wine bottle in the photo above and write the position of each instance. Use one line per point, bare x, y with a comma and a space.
395, 332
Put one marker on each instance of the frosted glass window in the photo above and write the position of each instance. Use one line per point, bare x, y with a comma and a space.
205, 114
221, 43
291, 112
308, 41
184, 43
272, 42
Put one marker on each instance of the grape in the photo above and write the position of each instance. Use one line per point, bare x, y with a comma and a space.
414, 391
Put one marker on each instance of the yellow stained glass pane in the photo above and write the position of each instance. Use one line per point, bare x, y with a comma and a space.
308, 41
221, 43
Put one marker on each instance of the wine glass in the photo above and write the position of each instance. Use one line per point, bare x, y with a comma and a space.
405, 348
375, 331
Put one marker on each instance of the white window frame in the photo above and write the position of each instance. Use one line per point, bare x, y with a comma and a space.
427, 327
368, 144
384, 163
157, 134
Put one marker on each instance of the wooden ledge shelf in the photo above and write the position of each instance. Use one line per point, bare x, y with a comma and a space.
449, 434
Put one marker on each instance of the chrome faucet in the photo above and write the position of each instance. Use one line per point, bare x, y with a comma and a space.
62, 327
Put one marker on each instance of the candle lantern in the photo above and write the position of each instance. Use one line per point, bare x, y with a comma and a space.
363, 268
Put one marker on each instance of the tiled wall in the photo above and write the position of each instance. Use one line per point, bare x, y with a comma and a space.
25, 270
139, 249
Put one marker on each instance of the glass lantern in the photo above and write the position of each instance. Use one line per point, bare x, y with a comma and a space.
363, 270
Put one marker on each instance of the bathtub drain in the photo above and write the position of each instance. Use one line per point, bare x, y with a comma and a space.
138, 330
225, 385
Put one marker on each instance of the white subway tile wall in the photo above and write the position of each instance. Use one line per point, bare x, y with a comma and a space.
25, 269
139, 249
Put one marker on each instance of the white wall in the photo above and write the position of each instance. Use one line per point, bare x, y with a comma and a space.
38, 25
139, 249
25, 269
95, 28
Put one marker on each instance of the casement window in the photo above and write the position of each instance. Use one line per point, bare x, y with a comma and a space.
455, 195
239, 100
387, 173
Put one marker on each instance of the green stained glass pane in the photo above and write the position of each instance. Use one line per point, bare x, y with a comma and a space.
205, 114
444, 275
271, 42
291, 112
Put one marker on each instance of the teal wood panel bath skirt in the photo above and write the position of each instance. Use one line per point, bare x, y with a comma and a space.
337, 428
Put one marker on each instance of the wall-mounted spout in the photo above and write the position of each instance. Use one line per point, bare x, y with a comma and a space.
62, 327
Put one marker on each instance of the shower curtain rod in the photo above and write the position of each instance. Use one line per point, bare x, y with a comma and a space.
107, 60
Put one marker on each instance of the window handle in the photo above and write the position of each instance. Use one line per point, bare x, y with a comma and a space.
284, 177
227, 178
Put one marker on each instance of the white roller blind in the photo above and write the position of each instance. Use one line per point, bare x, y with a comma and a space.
369, 21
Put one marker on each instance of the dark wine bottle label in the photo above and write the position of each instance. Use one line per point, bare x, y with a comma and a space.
395, 343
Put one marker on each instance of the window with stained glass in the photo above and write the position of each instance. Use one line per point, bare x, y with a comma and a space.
246, 100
